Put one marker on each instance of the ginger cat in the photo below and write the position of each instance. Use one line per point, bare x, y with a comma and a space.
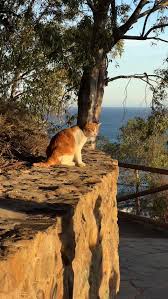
65, 147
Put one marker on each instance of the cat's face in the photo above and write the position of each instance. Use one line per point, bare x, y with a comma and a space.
91, 129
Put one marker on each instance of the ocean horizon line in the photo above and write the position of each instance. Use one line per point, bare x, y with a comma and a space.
123, 107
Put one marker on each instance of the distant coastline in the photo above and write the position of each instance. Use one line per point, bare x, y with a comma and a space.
113, 118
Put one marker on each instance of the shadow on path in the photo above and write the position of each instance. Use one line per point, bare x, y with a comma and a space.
130, 229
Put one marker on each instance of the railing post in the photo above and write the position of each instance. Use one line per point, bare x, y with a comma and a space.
138, 204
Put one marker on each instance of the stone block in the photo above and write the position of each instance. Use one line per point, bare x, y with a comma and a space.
59, 232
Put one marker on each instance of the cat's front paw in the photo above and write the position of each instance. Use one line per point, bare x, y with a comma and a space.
82, 164
71, 164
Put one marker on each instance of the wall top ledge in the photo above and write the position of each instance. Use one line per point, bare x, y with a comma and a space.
32, 198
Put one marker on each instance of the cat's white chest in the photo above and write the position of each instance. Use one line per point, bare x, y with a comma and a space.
80, 139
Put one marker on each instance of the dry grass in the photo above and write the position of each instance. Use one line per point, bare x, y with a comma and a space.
21, 137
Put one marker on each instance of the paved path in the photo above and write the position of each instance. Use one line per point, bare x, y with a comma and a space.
143, 263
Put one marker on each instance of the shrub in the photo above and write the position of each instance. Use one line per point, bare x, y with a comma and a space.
21, 135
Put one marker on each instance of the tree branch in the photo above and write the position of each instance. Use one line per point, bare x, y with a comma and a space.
91, 5
155, 27
144, 77
137, 15
133, 18
42, 14
113, 14
146, 19
161, 4
28, 11
137, 37
18, 95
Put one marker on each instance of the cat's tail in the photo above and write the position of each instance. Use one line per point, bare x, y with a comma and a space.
41, 164
48, 163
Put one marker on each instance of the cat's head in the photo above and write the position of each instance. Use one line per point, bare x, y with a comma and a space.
91, 129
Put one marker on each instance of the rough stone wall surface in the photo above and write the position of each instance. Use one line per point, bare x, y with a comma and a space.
59, 232
35, 270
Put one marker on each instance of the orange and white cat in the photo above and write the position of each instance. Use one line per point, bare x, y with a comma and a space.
65, 147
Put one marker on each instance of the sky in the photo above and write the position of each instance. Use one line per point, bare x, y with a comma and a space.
138, 57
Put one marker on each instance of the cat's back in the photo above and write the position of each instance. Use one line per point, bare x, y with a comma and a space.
64, 139
67, 134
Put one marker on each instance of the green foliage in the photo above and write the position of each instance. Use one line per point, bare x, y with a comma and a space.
104, 144
160, 92
144, 141
45, 38
160, 208
28, 75
46, 45
117, 50
123, 11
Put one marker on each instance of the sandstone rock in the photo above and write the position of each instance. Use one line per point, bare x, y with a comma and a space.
59, 232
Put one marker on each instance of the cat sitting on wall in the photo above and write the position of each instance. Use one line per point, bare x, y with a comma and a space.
65, 147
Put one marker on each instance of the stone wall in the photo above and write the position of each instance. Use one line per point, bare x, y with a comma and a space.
59, 232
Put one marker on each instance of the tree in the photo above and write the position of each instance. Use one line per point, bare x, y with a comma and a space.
28, 76
80, 36
92, 30
160, 91
145, 141
110, 23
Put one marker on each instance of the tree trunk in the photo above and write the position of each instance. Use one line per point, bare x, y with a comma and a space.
91, 95
91, 91
100, 90
93, 80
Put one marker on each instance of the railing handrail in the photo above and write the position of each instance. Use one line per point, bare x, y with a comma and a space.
142, 193
143, 168
138, 193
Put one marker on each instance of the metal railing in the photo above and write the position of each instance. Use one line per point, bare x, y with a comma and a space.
138, 194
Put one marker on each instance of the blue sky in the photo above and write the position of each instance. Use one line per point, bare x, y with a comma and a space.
138, 57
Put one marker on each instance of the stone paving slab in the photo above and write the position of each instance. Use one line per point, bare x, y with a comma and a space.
143, 262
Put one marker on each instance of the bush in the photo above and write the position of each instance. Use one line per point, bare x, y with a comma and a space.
21, 136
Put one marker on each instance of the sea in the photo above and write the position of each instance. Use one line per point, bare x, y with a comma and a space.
113, 118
